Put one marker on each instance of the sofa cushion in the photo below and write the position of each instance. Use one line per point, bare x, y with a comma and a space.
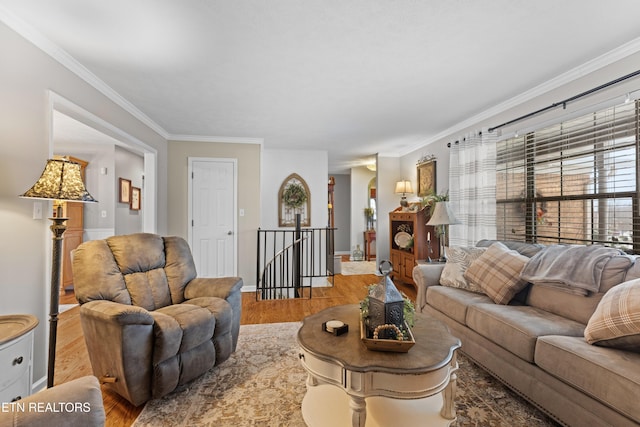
554, 300
180, 328
632, 272
141, 259
609, 375
517, 328
459, 258
220, 308
148, 289
497, 272
523, 248
453, 302
616, 321
615, 271
179, 266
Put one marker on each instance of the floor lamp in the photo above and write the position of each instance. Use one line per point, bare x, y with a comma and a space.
442, 216
60, 181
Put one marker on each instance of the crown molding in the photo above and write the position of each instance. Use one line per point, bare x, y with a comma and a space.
36, 38
617, 54
219, 139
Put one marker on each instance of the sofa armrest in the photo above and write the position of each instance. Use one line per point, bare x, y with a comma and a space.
77, 403
221, 287
425, 275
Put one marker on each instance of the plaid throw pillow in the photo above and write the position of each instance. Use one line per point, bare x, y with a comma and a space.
497, 272
616, 321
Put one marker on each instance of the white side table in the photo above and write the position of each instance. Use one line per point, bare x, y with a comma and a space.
426, 274
347, 382
16, 356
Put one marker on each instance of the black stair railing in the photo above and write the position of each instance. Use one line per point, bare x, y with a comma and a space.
290, 261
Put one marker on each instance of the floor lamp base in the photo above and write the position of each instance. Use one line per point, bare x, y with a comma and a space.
58, 227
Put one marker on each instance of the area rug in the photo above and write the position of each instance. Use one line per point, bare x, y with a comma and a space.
263, 384
351, 268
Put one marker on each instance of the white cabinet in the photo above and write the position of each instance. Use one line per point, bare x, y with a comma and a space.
16, 356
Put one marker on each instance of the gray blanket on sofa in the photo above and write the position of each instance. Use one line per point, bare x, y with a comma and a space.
573, 266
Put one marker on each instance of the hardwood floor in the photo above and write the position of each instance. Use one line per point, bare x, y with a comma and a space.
72, 360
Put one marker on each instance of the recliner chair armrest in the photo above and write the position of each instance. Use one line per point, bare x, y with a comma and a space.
114, 312
221, 287
119, 340
76, 403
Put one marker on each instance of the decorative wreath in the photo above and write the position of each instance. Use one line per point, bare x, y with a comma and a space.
294, 195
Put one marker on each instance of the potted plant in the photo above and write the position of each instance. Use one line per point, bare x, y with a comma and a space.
368, 214
429, 201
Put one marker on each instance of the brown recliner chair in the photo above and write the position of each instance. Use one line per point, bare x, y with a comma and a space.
150, 325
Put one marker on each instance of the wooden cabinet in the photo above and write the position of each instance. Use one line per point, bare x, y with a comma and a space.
408, 239
73, 236
16, 361
369, 245
71, 239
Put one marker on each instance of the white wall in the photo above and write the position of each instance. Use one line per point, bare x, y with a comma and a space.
388, 170
128, 166
27, 76
409, 169
342, 213
99, 185
277, 165
99, 181
563, 87
313, 167
360, 177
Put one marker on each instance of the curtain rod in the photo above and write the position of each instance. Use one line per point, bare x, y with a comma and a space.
565, 101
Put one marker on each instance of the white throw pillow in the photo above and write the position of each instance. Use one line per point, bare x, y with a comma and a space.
459, 258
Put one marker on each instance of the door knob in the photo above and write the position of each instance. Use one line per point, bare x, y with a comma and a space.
229, 233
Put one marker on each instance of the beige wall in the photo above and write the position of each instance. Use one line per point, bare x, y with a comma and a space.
27, 75
248, 156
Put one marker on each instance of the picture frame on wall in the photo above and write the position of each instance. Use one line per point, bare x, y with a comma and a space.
125, 191
136, 195
426, 178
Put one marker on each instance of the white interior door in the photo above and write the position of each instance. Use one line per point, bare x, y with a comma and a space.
212, 190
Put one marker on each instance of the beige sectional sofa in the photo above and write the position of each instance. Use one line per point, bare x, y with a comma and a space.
535, 343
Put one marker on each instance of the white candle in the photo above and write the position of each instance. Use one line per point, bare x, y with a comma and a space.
429, 236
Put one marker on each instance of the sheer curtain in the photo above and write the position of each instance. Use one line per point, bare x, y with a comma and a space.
472, 188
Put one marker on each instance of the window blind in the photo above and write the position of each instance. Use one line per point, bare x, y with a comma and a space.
573, 182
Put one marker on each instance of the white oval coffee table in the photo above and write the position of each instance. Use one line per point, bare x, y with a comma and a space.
350, 385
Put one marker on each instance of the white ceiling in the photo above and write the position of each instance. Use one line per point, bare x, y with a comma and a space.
354, 77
